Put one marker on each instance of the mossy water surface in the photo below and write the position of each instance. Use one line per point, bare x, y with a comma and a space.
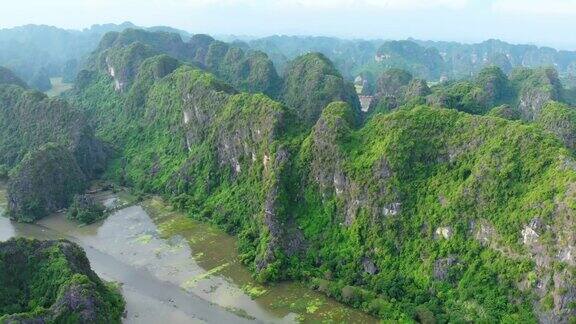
227, 282
196, 256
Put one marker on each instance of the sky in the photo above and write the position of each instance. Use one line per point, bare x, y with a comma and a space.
542, 22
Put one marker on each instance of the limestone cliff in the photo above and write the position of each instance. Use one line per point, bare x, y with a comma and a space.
44, 182
29, 119
120, 55
535, 89
560, 120
51, 282
418, 213
311, 82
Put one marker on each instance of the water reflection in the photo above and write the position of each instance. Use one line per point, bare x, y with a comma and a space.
181, 271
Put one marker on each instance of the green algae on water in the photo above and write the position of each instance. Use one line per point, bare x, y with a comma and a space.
144, 239
254, 291
192, 282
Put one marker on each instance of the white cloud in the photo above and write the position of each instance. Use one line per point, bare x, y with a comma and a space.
385, 4
265, 4
330, 4
535, 7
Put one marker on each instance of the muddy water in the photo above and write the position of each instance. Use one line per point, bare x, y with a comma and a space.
177, 270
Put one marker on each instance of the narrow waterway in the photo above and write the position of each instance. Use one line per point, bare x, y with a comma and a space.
177, 270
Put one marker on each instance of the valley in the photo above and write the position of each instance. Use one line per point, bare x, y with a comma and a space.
58, 87
149, 175
173, 268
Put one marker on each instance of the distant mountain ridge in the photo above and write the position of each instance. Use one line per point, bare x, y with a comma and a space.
425, 59
37, 52
409, 211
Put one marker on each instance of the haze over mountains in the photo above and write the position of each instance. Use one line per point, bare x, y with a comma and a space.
417, 181
37, 53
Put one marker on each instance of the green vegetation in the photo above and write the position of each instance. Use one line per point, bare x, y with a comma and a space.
29, 119
50, 147
396, 87
424, 62
4, 171
41, 80
58, 87
45, 181
8, 77
418, 214
490, 88
347, 55
51, 282
120, 55
424, 59
504, 111
38, 52
560, 120
312, 82
391, 83
412, 213
85, 209
442, 172
535, 88
518, 96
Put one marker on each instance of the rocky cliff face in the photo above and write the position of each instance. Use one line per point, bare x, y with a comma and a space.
328, 169
535, 89
417, 88
215, 149
495, 86
419, 211
29, 119
312, 82
120, 55
45, 181
367, 178
51, 282
560, 120
397, 87
424, 62
491, 87
122, 63
392, 83
505, 111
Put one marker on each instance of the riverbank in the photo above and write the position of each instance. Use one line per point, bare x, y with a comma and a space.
229, 283
175, 269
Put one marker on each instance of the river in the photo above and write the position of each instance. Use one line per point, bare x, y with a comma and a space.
177, 270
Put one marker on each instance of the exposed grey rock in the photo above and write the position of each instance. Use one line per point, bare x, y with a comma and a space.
531, 102
443, 266
484, 232
80, 296
366, 103
530, 233
444, 232
284, 233
392, 209
537, 89
369, 266
328, 172
45, 182
417, 88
